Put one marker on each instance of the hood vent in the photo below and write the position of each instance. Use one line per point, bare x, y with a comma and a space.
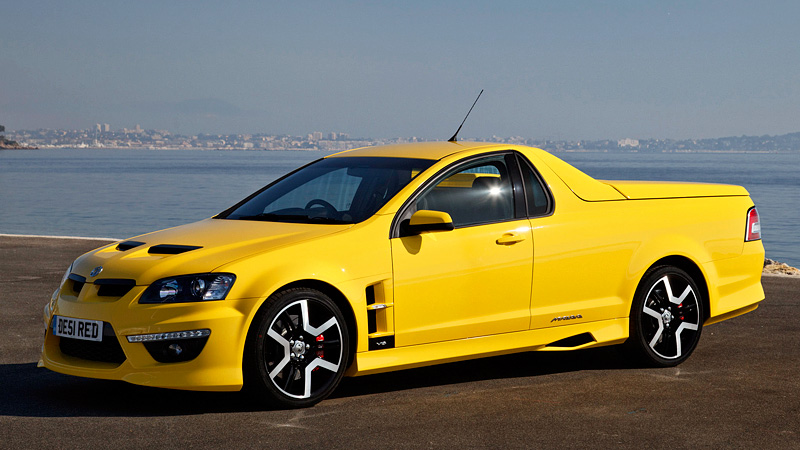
170, 249
127, 245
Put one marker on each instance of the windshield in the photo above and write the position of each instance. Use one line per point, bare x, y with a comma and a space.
331, 190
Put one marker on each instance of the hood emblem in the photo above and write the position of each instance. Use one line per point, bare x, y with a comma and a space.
96, 271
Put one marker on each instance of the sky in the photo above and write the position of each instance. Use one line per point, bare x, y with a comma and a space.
550, 69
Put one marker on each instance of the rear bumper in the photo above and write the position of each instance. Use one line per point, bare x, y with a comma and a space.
735, 283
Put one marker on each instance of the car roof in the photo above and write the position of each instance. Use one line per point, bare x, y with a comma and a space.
421, 150
584, 186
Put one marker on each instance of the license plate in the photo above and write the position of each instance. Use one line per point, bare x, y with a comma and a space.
83, 329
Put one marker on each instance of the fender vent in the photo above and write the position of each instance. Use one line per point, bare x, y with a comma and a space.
573, 341
170, 249
370, 293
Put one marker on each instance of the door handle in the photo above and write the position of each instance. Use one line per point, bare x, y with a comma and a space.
510, 238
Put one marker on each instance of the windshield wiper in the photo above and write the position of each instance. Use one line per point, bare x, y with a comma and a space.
331, 220
270, 217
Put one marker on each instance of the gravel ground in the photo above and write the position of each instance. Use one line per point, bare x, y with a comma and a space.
740, 389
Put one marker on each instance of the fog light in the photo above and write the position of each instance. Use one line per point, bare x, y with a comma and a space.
172, 336
175, 349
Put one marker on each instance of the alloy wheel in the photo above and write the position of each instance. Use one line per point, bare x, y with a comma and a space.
303, 351
671, 317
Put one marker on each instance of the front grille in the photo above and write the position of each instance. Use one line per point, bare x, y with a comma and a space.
77, 286
114, 287
77, 282
108, 350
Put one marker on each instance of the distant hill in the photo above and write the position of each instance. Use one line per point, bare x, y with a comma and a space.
782, 143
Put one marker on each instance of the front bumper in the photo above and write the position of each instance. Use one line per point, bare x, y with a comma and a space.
218, 367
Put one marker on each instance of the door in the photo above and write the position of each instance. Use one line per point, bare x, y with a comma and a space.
474, 280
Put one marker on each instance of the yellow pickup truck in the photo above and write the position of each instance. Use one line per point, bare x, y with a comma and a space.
393, 257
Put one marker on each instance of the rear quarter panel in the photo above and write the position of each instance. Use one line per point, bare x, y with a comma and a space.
590, 256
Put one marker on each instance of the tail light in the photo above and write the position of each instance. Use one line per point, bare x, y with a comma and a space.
753, 232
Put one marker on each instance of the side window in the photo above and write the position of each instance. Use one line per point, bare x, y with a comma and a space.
535, 195
479, 192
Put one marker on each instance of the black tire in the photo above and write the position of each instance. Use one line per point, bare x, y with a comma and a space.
297, 350
666, 318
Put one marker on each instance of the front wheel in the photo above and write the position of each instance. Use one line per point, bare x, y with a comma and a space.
666, 318
299, 348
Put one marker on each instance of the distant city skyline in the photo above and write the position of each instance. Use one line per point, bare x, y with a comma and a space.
103, 137
551, 70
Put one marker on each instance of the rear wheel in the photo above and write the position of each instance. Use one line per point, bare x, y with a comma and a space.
666, 318
298, 350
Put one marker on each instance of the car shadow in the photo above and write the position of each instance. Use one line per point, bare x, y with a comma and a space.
29, 391
518, 365
33, 392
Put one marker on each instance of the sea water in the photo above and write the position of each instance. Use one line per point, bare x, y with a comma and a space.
121, 193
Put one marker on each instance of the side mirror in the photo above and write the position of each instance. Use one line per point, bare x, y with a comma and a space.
426, 220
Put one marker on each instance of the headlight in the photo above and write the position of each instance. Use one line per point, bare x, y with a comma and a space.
54, 297
66, 274
189, 288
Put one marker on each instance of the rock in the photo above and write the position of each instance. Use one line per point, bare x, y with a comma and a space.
775, 267
14, 145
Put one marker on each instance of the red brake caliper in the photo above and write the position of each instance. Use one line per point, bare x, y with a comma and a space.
320, 353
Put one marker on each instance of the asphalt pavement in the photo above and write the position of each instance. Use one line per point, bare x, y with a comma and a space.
740, 389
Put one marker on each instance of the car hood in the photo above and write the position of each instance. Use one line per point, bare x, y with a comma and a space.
193, 248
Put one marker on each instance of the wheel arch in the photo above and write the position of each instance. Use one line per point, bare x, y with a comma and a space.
331, 291
689, 266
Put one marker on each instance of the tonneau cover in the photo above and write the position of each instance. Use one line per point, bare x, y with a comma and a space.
640, 190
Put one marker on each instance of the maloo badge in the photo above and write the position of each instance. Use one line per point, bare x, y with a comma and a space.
96, 271
558, 319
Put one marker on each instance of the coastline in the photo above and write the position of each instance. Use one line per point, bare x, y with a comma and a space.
103, 137
776, 268
11, 145
44, 236
306, 149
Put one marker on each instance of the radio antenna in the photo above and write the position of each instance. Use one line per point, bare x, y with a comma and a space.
453, 139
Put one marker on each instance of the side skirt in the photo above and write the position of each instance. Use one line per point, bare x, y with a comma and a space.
604, 332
